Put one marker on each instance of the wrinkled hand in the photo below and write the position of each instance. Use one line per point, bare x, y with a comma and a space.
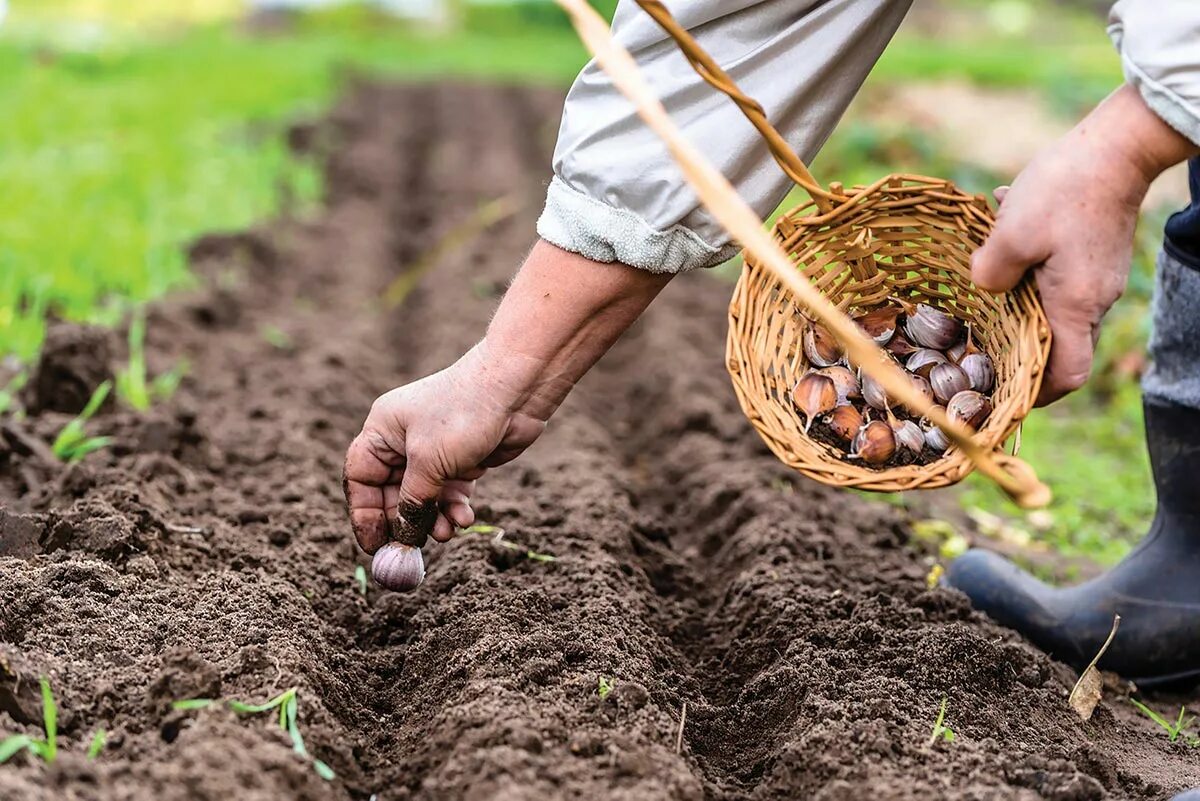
1077, 235
1070, 217
425, 444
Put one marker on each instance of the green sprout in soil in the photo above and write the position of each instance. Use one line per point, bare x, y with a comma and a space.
132, 384
286, 703
73, 443
1173, 730
605, 687
97, 745
498, 538
940, 730
360, 575
276, 337
8, 394
45, 749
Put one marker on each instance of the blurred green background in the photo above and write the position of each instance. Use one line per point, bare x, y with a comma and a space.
133, 126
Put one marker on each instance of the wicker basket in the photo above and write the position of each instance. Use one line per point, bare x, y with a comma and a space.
904, 236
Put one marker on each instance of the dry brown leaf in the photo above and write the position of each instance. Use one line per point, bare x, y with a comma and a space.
1088, 690
1086, 694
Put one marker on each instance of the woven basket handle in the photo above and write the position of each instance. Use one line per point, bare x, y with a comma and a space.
728, 208
716, 77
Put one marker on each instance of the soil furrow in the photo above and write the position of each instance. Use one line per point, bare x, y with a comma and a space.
206, 553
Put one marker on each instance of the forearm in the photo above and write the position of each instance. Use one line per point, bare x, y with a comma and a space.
559, 316
1138, 144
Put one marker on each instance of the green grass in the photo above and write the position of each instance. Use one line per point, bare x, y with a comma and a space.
44, 748
113, 158
289, 715
73, 443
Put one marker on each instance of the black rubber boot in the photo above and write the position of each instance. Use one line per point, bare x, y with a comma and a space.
1156, 589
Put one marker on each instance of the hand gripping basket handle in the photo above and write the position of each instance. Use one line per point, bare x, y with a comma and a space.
728, 208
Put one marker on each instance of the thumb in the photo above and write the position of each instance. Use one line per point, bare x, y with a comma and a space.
417, 509
1003, 259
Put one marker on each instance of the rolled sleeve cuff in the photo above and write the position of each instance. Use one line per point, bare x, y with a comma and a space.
1179, 112
581, 224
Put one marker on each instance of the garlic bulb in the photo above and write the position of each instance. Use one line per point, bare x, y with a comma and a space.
936, 439
398, 567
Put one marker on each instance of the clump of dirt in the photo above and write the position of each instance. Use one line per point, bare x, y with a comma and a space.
75, 359
211, 558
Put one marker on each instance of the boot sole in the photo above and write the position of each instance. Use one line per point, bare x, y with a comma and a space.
1184, 680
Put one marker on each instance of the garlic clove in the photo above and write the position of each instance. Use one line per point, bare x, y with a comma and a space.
922, 386
947, 381
922, 361
814, 394
969, 408
980, 371
909, 436
844, 422
820, 347
844, 381
900, 346
932, 328
873, 392
879, 324
398, 567
875, 443
936, 439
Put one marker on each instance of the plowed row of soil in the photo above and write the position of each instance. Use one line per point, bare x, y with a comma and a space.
206, 554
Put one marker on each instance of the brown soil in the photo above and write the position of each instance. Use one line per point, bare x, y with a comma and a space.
206, 553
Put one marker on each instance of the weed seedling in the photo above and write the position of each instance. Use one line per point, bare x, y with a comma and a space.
360, 575
98, 741
73, 443
1173, 730
45, 749
276, 337
288, 708
132, 384
940, 729
498, 538
8, 394
605, 687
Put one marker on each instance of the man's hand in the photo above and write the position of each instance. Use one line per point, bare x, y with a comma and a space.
1070, 216
429, 441
424, 444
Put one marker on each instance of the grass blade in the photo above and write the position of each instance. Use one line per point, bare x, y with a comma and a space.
98, 741
49, 720
323, 770
266, 706
192, 703
11, 746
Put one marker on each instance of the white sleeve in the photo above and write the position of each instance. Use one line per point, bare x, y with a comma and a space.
616, 193
1159, 43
